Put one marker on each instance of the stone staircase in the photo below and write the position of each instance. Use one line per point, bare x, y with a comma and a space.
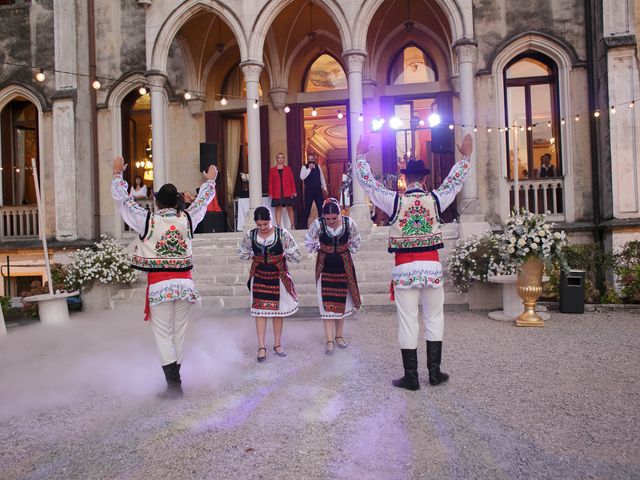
221, 277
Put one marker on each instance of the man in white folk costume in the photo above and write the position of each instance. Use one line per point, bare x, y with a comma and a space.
415, 238
163, 249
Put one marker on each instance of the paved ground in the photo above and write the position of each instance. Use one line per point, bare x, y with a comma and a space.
560, 402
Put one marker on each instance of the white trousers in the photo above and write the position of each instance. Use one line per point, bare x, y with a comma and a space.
169, 323
407, 302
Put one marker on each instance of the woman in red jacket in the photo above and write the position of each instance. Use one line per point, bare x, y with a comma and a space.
282, 189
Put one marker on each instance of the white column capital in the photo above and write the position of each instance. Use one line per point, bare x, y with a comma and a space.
466, 50
251, 71
157, 80
355, 60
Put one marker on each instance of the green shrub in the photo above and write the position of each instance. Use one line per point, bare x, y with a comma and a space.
628, 272
5, 304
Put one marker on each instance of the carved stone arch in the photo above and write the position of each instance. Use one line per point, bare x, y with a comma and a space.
460, 23
270, 12
177, 18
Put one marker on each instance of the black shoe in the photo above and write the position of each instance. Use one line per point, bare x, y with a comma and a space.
329, 351
410, 363
174, 382
342, 345
434, 357
280, 353
262, 359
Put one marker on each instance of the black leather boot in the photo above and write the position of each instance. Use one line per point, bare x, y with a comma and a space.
174, 383
434, 357
410, 363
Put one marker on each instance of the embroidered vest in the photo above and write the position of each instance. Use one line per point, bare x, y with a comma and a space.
165, 246
262, 252
415, 226
329, 243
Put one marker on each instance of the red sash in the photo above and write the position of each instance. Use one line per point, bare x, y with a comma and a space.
408, 257
156, 277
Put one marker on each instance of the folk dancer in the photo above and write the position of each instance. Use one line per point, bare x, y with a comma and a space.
273, 294
415, 238
335, 237
163, 250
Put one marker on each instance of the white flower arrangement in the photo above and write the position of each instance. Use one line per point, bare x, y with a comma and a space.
529, 235
106, 263
476, 259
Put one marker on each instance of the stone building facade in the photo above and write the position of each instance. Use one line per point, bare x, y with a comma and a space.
258, 77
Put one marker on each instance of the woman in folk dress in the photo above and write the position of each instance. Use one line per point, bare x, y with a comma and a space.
273, 294
335, 237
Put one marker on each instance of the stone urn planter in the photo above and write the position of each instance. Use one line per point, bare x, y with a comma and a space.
97, 297
529, 285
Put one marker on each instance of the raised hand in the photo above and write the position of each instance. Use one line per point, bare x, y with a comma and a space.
118, 165
212, 173
364, 144
467, 146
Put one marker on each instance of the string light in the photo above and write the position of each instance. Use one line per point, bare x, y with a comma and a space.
421, 123
613, 110
632, 104
562, 121
475, 129
287, 109
187, 96
223, 101
549, 124
255, 104
361, 118
340, 115
96, 84
529, 128
451, 126
40, 76
500, 130
488, 129
596, 114
577, 119
522, 128
314, 112
142, 90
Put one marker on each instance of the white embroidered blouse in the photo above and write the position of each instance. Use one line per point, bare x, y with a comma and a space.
419, 273
312, 238
136, 217
289, 245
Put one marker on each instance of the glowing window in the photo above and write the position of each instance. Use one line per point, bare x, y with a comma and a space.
412, 65
325, 74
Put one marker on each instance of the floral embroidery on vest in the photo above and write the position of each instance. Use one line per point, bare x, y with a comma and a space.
172, 243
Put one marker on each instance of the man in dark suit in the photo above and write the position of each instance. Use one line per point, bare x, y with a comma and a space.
546, 169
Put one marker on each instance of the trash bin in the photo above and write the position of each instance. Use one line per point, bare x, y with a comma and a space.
572, 291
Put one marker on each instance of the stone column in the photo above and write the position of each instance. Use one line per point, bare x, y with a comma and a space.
159, 142
469, 205
355, 60
251, 71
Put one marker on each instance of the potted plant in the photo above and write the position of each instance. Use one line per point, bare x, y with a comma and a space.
95, 271
530, 242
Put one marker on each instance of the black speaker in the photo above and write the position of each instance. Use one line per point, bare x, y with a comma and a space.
212, 222
442, 139
208, 155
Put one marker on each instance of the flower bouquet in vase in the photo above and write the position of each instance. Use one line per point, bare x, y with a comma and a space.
531, 242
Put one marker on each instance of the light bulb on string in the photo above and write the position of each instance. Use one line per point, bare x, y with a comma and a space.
522, 128
142, 90
596, 114
577, 119
40, 76
451, 126
314, 112
529, 128
96, 84
395, 123
187, 96
340, 114
255, 104
361, 118
549, 124
287, 109
488, 129
434, 120
421, 123
500, 130
475, 129
613, 110
632, 104
562, 121
223, 101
